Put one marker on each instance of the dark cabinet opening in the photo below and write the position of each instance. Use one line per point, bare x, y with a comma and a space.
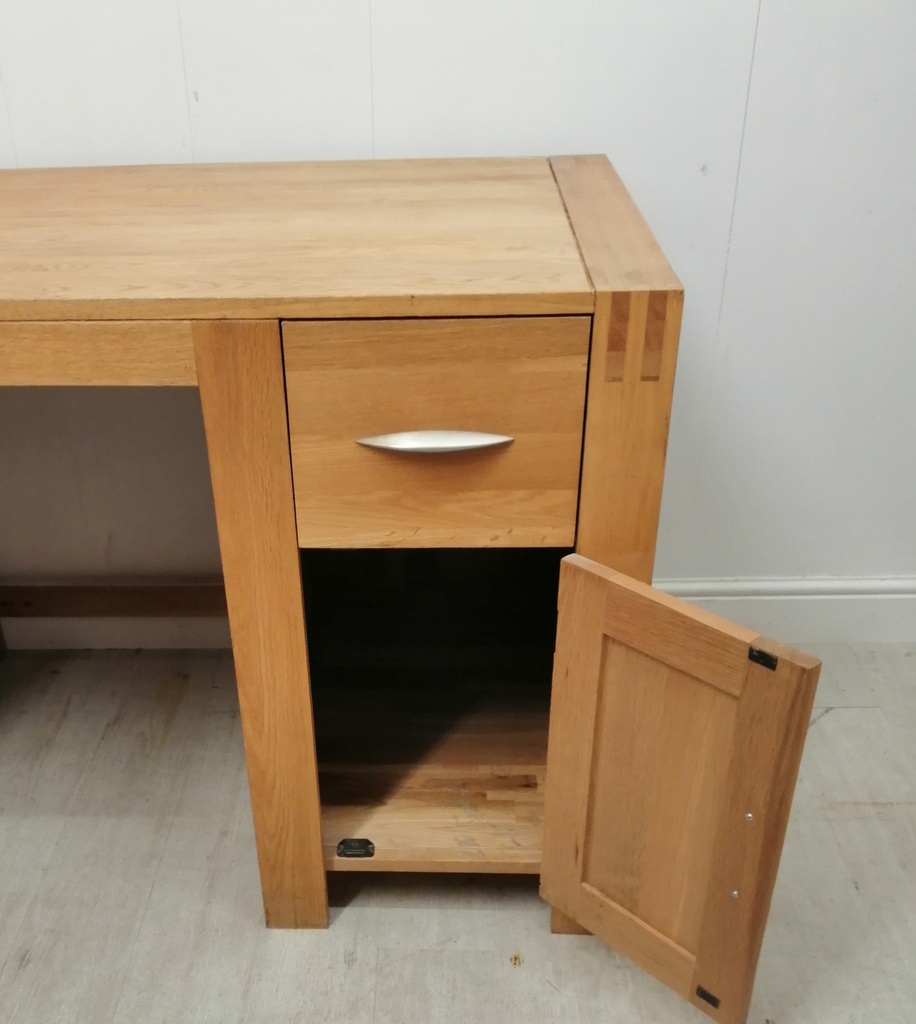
430, 673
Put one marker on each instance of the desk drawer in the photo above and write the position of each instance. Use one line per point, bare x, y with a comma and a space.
521, 377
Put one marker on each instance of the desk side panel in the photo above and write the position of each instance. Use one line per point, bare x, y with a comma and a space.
635, 332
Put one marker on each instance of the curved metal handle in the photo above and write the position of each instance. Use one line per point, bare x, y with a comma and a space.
428, 442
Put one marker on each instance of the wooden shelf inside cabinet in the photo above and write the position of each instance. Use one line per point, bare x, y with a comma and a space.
457, 787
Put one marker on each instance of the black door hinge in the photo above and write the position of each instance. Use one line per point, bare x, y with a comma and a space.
708, 997
764, 658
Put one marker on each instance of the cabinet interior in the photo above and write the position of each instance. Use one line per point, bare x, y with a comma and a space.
430, 673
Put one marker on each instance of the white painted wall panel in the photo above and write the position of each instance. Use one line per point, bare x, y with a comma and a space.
104, 481
810, 446
94, 82
279, 79
793, 424
660, 87
7, 149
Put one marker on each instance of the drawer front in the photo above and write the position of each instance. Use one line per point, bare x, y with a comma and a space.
520, 377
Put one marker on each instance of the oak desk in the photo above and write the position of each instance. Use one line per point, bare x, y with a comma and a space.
523, 307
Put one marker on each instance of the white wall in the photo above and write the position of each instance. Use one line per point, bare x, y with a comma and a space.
772, 147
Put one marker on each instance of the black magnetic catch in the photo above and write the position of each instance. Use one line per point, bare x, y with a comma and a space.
355, 848
764, 658
708, 997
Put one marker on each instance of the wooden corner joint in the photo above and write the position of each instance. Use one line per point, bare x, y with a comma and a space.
639, 332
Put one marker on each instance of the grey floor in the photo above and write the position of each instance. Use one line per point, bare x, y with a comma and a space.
129, 892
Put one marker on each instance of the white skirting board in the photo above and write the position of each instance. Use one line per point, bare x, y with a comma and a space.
822, 610
813, 610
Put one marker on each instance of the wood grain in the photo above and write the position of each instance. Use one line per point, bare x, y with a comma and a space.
623, 458
573, 702
669, 787
147, 599
487, 820
447, 781
671, 631
617, 245
659, 766
374, 238
240, 371
159, 353
522, 377
770, 731
654, 340
635, 330
560, 924
646, 947
617, 336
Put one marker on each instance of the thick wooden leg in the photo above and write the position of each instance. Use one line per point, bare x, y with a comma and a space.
2, 644
240, 373
635, 332
560, 924
626, 434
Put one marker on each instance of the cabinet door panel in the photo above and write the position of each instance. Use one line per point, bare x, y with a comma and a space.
675, 739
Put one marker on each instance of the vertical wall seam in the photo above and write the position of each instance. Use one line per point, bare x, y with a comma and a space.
187, 92
371, 81
9, 118
731, 223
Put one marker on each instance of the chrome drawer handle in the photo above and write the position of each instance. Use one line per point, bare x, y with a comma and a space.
428, 442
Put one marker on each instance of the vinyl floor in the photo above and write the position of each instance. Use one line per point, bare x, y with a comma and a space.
129, 888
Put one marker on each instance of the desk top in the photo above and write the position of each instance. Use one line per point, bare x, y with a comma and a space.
374, 238
298, 239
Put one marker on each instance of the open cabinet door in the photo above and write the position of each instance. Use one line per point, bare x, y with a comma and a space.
675, 740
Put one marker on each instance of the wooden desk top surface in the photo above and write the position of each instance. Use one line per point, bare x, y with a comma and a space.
372, 238
431, 237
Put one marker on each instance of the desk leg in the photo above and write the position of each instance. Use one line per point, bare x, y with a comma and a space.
560, 924
240, 373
